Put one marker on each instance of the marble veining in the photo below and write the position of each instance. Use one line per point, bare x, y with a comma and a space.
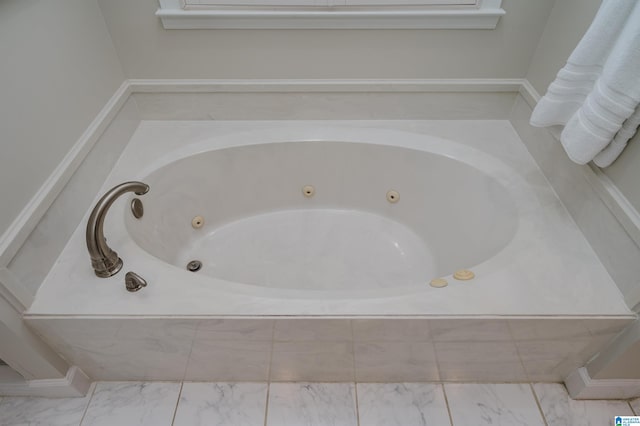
132, 404
317, 404
560, 410
300, 404
387, 404
221, 404
43, 411
492, 404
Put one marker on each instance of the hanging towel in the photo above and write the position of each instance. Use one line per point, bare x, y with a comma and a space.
608, 155
597, 93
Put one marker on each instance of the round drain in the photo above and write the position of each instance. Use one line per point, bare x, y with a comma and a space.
194, 266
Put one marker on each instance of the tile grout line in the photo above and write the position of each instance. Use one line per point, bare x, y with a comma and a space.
271, 350
355, 387
355, 376
269, 369
535, 396
273, 336
515, 345
175, 411
436, 358
86, 408
353, 352
446, 402
186, 364
632, 410
266, 405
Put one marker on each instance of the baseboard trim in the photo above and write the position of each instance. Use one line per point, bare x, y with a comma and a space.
75, 384
529, 93
581, 386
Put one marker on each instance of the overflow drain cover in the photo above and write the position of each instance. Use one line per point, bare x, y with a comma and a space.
194, 266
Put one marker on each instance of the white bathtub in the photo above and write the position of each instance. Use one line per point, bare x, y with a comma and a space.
470, 197
454, 211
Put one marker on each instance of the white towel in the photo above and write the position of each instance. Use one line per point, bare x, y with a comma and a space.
608, 155
598, 90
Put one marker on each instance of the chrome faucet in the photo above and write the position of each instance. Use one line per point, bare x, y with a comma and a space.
104, 260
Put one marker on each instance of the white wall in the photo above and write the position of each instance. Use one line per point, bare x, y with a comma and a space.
568, 22
58, 69
147, 50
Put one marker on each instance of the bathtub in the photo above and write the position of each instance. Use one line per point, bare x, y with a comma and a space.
319, 241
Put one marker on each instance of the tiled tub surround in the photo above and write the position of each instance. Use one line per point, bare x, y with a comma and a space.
539, 308
327, 349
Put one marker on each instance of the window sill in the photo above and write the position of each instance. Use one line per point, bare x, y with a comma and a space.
484, 17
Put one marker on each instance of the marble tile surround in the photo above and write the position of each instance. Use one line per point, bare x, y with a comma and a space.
635, 405
366, 349
363, 350
277, 404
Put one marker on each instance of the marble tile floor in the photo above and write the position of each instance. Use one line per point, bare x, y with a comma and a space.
195, 403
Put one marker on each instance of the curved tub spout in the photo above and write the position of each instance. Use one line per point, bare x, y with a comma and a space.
104, 260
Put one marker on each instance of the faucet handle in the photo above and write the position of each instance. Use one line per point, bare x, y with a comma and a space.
134, 282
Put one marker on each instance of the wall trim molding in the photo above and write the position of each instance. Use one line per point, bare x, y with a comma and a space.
581, 386
75, 384
13, 292
529, 93
326, 86
615, 201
